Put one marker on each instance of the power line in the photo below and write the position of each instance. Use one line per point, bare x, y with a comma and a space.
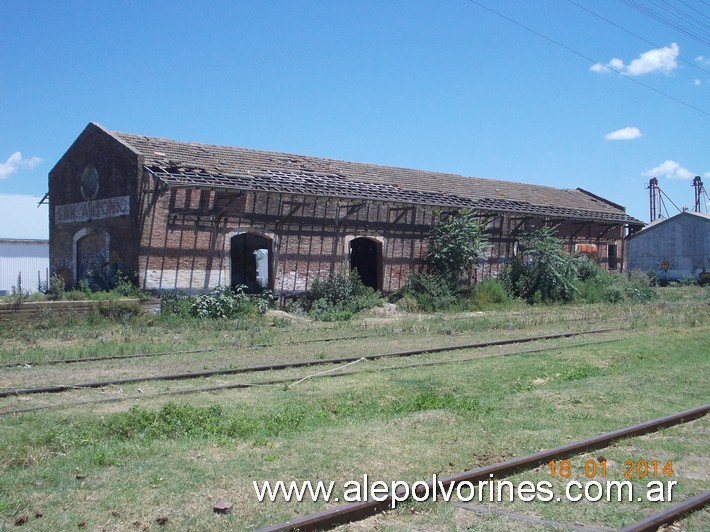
594, 61
636, 35
673, 18
689, 18
693, 9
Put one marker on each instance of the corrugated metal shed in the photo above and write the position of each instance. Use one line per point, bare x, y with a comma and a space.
24, 242
674, 248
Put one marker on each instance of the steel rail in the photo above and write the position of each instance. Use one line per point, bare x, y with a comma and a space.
357, 511
240, 385
54, 362
277, 367
653, 522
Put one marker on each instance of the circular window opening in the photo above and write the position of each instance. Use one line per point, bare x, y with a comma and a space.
89, 183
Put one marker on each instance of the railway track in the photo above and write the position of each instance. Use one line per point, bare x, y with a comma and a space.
286, 381
99, 358
58, 361
357, 511
283, 366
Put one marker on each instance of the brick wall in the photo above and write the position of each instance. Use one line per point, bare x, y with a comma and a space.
186, 241
93, 194
105, 209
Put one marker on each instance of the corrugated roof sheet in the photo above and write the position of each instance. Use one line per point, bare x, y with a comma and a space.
22, 219
659, 221
205, 165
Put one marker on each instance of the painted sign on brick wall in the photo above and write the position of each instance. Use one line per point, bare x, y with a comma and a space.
92, 210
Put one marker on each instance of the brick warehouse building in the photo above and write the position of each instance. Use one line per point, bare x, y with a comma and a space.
193, 216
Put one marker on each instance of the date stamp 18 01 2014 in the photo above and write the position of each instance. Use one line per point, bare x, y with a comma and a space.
598, 468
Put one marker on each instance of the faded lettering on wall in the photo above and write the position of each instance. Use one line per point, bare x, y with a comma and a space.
92, 210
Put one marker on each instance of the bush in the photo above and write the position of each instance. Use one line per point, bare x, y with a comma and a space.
613, 294
456, 245
487, 293
636, 288
544, 272
55, 288
222, 302
407, 303
588, 269
109, 283
175, 303
339, 296
615, 288
430, 292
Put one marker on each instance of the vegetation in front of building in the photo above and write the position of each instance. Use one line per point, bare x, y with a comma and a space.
336, 297
114, 282
455, 246
220, 303
543, 272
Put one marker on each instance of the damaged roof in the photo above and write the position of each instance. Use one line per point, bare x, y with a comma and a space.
231, 168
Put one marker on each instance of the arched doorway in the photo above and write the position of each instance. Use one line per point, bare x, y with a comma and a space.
251, 262
366, 257
92, 253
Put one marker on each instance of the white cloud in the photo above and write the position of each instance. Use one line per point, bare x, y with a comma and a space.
697, 82
704, 61
656, 60
15, 162
625, 133
671, 170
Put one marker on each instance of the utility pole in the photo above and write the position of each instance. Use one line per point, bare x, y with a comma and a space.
698, 186
654, 197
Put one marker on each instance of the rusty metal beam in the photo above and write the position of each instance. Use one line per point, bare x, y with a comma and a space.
668, 516
356, 511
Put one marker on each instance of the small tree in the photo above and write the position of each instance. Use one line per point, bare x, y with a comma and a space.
456, 245
544, 271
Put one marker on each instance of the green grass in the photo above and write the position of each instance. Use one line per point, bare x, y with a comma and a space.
112, 466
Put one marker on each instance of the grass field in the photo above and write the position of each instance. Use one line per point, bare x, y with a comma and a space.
155, 460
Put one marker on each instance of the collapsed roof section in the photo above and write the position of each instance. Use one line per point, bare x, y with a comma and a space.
183, 164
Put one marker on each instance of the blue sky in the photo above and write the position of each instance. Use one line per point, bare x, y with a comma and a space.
443, 85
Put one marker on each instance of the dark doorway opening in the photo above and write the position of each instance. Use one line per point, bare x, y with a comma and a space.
251, 262
366, 257
612, 257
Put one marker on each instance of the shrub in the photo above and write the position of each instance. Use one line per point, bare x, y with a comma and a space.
455, 246
429, 291
636, 288
613, 294
489, 292
222, 302
408, 303
588, 269
175, 303
55, 288
339, 296
544, 272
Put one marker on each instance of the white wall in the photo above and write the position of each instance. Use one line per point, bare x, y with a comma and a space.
26, 258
